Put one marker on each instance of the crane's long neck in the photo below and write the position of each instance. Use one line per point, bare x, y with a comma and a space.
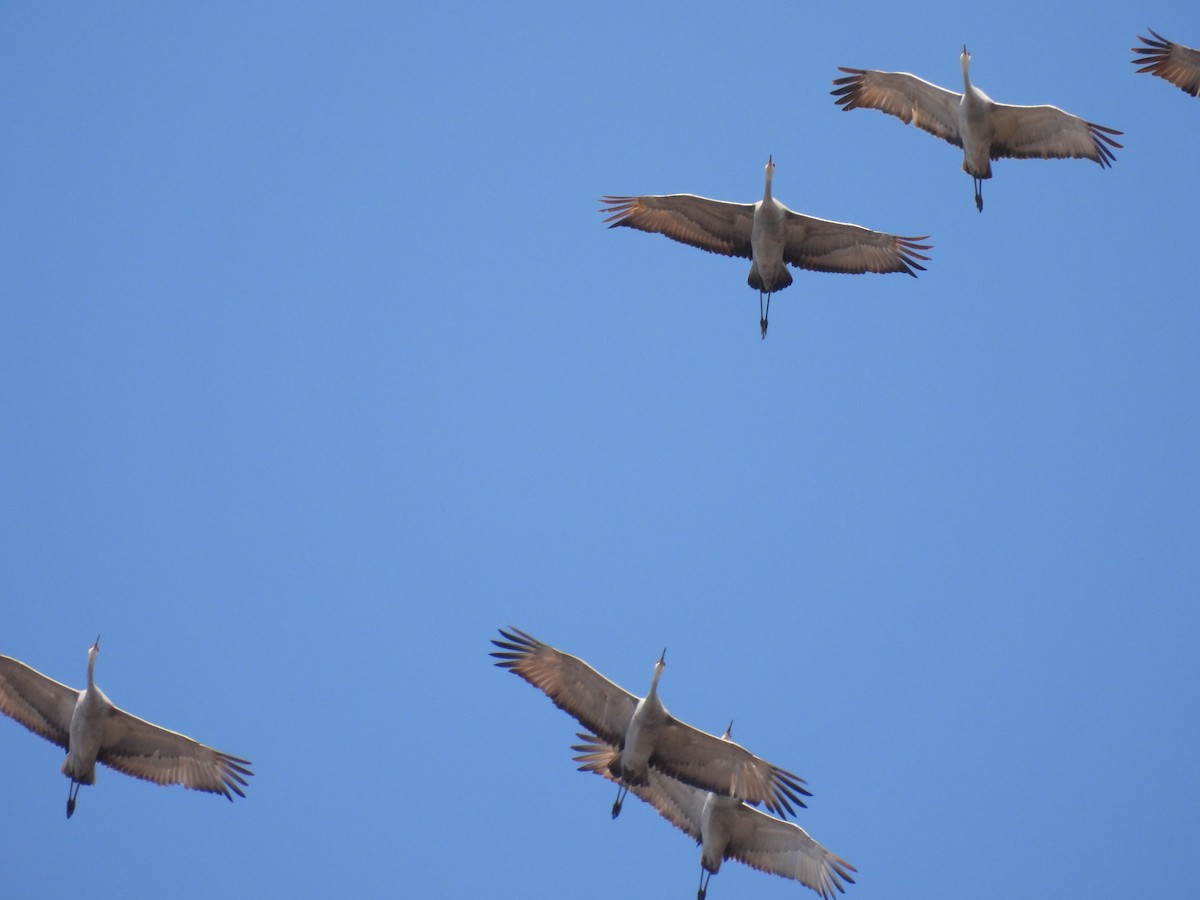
965, 61
92, 654
770, 173
658, 670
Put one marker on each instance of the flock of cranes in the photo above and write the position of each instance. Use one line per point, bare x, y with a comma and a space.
773, 237
699, 782
705, 785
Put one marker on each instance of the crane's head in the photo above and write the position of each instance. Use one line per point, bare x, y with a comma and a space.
95, 648
728, 732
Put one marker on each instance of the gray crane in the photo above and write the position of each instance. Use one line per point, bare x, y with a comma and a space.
726, 828
984, 129
770, 235
91, 729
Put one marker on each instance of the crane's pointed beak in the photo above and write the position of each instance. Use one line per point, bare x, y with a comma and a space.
662, 660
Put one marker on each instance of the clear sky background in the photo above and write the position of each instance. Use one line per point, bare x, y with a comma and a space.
317, 365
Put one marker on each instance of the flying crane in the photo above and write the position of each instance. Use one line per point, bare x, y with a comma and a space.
645, 734
984, 129
91, 729
726, 828
768, 234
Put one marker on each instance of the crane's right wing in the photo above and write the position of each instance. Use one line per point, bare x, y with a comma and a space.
39, 703
907, 97
784, 848
724, 767
574, 686
712, 225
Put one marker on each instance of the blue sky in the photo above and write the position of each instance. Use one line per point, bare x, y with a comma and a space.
318, 366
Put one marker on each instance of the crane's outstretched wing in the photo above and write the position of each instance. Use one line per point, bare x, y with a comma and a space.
39, 703
574, 686
712, 763
826, 246
145, 750
1172, 62
784, 848
907, 97
712, 225
1047, 132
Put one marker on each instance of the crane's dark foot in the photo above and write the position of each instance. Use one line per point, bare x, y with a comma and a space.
72, 791
979, 202
762, 327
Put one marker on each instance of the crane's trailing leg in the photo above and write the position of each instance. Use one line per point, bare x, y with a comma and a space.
72, 793
621, 792
703, 883
763, 313
978, 193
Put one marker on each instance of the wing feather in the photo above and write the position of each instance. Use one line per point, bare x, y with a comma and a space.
826, 246
573, 686
907, 97
39, 703
145, 750
706, 761
1047, 132
784, 848
712, 225
1172, 62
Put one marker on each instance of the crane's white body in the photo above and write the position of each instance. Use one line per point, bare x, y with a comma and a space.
641, 737
768, 237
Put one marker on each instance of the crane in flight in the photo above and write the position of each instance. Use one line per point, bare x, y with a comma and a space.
726, 828
768, 234
1171, 62
91, 729
984, 129
645, 734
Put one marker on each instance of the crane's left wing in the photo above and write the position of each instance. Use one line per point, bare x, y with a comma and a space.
39, 703
145, 750
825, 246
712, 225
1172, 62
784, 848
706, 761
907, 97
573, 686
1047, 132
